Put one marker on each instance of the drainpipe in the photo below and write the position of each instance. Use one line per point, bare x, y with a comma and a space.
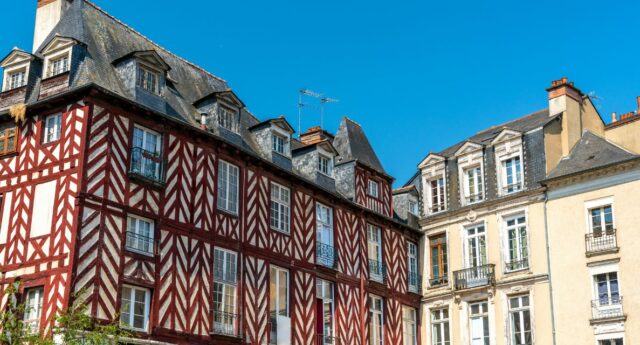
546, 235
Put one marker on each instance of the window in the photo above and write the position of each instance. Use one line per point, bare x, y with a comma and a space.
473, 185
8, 138
409, 329
140, 235
324, 292
479, 320
511, 175
376, 267
134, 310
146, 154
148, 80
228, 187
601, 220
440, 327
278, 143
520, 319
325, 165
58, 65
413, 208
224, 291
280, 197
476, 246
374, 189
436, 195
226, 118
438, 249
607, 291
279, 303
376, 320
52, 128
517, 248
325, 252
617, 341
412, 263
33, 308
16, 79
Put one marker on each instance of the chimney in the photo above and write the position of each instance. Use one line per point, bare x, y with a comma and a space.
561, 92
48, 15
614, 117
314, 135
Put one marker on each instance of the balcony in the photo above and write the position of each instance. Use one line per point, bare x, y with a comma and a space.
322, 339
607, 309
225, 324
140, 244
377, 271
438, 281
326, 255
415, 280
474, 277
147, 166
601, 242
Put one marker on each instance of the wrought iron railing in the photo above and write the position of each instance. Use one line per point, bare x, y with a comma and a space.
225, 324
474, 277
512, 188
607, 307
326, 255
475, 198
377, 270
322, 339
139, 243
147, 165
438, 281
517, 265
415, 280
601, 241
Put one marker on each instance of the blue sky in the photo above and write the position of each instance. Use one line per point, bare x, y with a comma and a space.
418, 75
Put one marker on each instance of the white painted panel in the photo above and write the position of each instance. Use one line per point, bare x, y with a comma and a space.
7, 200
284, 330
42, 215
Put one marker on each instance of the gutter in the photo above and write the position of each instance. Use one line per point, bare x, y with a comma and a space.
551, 304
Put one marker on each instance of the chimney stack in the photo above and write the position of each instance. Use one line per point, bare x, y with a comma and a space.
315, 135
561, 92
614, 117
48, 15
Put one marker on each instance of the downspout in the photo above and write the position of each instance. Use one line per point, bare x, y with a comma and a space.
546, 236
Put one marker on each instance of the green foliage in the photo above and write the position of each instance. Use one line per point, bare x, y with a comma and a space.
71, 327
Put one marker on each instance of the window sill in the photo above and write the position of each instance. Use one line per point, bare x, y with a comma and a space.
49, 143
49, 77
281, 231
228, 213
13, 90
156, 184
325, 175
613, 250
8, 154
140, 252
608, 320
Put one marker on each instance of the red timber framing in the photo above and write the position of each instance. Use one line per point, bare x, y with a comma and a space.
85, 248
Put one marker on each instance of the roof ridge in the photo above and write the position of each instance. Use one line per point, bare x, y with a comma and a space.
504, 124
152, 42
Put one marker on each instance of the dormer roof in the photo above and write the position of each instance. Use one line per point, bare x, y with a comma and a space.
16, 56
505, 135
468, 147
57, 43
324, 144
279, 121
432, 158
149, 56
227, 95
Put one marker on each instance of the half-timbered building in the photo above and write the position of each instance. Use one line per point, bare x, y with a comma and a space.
142, 181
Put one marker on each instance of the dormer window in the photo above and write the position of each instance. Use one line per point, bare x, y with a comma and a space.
58, 65
148, 79
325, 165
278, 143
473, 185
436, 195
511, 175
470, 158
16, 69
16, 79
374, 189
509, 152
433, 170
57, 55
226, 118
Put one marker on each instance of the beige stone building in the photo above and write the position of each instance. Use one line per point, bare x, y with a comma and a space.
486, 220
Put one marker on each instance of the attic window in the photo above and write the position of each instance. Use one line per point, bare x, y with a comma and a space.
58, 65
278, 143
225, 118
324, 165
148, 80
16, 79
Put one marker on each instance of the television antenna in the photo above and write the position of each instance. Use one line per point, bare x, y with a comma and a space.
324, 101
301, 93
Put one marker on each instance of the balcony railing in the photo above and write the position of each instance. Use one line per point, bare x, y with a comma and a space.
326, 255
322, 339
377, 271
415, 280
517, 265
474, 277
225, 324
438, 281
607, 308
147, 165
471, 199
139, 243
601, 241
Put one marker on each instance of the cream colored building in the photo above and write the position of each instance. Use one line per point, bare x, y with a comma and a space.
484, 216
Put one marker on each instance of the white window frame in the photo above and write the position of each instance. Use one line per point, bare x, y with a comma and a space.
144, 161
325, 232
327, 297
476, 235
595, 204
376, 316
374, 251
9, 77
518, 185
412, 266
519, 312
52, 128
278, 143
228, 192
226, 117
483, 308
137, 243
227, 321
478, 184
413, 207
409, 324
506, 245
325, 165
33, 313
277, 285
438, 321
373, 189
280, 209
51, 60
144, 74
441, 196
12, 68
128, 324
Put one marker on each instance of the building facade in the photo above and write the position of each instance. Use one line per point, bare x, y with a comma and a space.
142, 182
499, 267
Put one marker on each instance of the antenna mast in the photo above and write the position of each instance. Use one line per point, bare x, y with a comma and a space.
324, 101
304, 92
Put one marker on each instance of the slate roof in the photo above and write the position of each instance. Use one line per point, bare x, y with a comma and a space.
352, 144
591, 152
